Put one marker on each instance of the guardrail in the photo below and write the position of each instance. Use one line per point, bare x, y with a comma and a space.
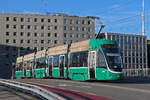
31, 89
145, 72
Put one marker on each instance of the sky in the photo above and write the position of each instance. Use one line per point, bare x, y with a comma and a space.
121, 16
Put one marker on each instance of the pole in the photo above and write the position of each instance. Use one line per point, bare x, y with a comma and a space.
143, 19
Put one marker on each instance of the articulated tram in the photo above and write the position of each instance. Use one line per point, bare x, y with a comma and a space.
94, 59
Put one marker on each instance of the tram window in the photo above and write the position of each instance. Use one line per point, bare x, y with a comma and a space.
50, 62
79, 59
42, 62
101, 60
56, 61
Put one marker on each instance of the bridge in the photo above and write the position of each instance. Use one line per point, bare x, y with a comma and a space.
127, 89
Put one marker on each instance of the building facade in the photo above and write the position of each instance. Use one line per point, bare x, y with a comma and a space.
133, 51
148, 53
21, 34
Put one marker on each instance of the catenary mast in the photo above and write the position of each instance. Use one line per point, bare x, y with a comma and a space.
143, 19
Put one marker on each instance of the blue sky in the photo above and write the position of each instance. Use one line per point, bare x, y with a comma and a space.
122, 16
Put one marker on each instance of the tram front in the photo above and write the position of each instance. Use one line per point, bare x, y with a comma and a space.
113, 62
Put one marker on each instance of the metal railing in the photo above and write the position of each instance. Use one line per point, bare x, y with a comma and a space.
137, 72
31, 89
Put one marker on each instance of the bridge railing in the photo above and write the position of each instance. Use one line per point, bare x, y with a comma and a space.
145, 72
31, 89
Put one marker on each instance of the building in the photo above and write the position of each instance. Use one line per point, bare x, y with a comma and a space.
148, 53
21, 33
133, 51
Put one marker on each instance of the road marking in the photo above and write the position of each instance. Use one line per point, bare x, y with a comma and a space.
64, 85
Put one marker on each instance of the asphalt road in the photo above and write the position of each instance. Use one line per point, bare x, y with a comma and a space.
9, 94
118, 90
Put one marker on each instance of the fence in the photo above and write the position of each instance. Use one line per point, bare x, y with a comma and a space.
137, 72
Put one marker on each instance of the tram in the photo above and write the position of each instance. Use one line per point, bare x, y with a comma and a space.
93, 59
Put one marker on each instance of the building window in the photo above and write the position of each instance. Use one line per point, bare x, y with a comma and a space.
42, 48
82, 35
28, 26
42, 27
55, 34
21, 34
89, 29
49, 41
14, 41
49, 20
7, 40
28, 34
7, 26
77, 36
82, 28
49, 34
83, 22
28, 41
7, 33
65, 28
89, 36
55, 41
136, 39
70, 41
42, 34
14, 19
21, 41
35, 48
70, 35
35, 19
133, 39
35, 41
89, 22
42, 41
70, 27
28, 20
55, 27
35, 34
70, 21
49, 27
64, 41
22, 19
77, 28
42, 20
35, 27
14, 26
65, 35
7, 18
77, 22
55, 20
15, 33
65, 21
28, 48
22, 26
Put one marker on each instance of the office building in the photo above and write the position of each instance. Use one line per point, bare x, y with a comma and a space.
133, 51
21, 34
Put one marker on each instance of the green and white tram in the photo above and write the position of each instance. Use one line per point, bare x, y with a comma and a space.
94, 59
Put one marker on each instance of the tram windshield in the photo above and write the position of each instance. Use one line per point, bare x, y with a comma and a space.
112, 54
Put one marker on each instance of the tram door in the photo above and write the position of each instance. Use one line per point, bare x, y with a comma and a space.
92, 64
61, 65
50, 65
